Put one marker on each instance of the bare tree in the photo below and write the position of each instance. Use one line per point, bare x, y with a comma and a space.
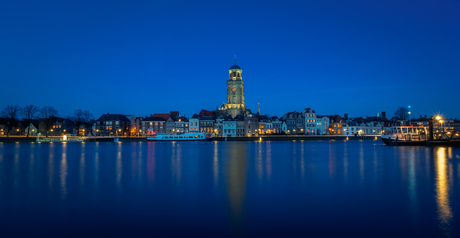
29, 112
11, 112
87, 116
80, 116
402, 113
46, 113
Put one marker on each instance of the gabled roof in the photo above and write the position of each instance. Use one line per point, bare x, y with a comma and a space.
184, 119
358, 119
113, 117
228, 118
207, 118
204, 113
335, 118
239, 118
195, 116
174, 114
263, 118
164, 115
154, 119
27, 122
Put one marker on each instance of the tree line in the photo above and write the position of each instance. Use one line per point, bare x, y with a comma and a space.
32, 112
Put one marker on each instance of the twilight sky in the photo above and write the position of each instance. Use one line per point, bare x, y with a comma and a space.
145, 57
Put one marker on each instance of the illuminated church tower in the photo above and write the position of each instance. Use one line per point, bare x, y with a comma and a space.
235, 91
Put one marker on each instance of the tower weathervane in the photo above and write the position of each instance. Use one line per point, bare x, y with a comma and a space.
235, 59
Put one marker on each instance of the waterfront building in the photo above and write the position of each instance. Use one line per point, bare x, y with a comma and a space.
84, 129
274, 125
182, 125
170, 125
206, 124
153, 125
218, 126
295, 122
263, 124
422, 121
309, 116
111, 125
356, 128
135, 125
336, 125
322, 125
229, 127
194, 123
284, 127
56, 126
31, 127
240, 125
251, 125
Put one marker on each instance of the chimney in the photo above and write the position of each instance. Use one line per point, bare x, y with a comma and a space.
345, 115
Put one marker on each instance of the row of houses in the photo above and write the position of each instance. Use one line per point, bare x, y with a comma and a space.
306, 122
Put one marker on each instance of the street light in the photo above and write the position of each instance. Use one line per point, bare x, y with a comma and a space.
409, 116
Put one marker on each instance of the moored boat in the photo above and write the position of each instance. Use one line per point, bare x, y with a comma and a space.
180, 137
405, 136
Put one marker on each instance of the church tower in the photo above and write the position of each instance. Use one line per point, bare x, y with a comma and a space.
235, 91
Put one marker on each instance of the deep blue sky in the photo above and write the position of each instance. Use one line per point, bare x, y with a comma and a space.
355, 57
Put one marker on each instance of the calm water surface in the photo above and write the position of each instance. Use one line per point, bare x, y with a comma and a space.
234, 189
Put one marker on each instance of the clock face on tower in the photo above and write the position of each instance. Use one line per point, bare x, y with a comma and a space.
233, 90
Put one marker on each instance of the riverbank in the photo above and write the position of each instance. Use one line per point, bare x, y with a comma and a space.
13, 139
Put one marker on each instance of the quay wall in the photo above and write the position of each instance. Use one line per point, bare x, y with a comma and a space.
287, 138
13, 139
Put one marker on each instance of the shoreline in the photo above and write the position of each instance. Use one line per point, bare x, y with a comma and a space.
13, 139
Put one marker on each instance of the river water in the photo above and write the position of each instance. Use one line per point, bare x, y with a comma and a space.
229, 189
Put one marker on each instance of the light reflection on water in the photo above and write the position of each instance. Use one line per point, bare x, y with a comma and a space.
238, 187
442, 189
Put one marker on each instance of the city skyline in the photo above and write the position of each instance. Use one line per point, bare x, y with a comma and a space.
145, 58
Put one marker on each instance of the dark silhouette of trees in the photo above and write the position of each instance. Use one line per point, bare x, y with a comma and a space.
11, 112
80, 116
30, 112
402, 113
46, 113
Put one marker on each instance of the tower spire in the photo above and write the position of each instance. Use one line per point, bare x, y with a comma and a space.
235, 60
258, 106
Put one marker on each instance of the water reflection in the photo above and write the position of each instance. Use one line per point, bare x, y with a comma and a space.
268, 162
96, 165
236, 184
50, 166
176, 160
361, 163
82, 166
63, 171
442, 189
119, 168
215, 164
412, 182
151, 162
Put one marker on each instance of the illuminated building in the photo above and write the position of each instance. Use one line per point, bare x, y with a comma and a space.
235, 93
